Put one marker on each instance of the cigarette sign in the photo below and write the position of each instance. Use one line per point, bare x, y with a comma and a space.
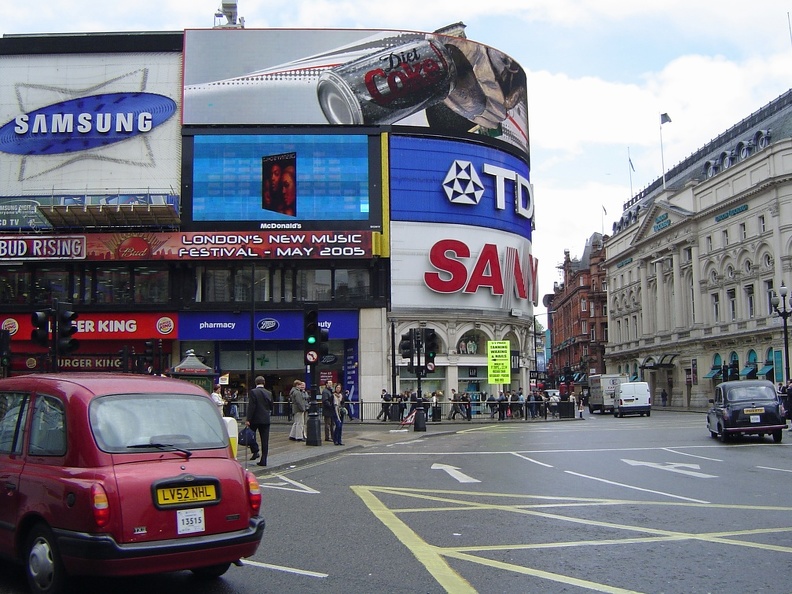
498, 369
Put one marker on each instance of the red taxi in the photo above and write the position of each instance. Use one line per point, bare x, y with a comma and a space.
119, 475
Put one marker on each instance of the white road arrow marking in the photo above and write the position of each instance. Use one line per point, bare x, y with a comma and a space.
299, 487
673, 467
453, 472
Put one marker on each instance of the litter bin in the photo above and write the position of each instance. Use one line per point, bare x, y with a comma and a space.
394, 412
437, 414
566, 409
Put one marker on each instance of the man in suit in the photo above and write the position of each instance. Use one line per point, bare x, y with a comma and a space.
258, 416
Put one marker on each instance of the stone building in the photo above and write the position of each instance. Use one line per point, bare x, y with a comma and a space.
695, 260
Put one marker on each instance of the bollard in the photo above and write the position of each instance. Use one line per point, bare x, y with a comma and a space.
419, 423
313, 428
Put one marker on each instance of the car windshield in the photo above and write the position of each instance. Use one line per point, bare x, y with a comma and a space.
133, 422
745, 393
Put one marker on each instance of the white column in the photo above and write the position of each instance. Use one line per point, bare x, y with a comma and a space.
646, 302
698, 313
679, 290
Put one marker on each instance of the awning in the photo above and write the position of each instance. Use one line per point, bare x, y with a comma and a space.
765, 370
714, 373
748, 370
122, 215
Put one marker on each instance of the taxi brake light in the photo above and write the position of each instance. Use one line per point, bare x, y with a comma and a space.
100, 505
254, 493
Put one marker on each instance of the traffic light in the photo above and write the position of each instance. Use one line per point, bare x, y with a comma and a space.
407, 344
431, 345
314, 337
65, 329
124, 353
149, 353
5, 348
40, 334
407, 348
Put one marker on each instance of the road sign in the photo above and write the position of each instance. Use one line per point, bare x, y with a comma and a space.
311, 356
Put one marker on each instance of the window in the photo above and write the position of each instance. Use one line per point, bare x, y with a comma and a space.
769, 294
715, 308
743, 232
709, 243
48, 429
113, 285
13, 418
762, 224
583, 305
731, 295
593, 334
151, 285
688, 254
584, 327
749, 299
725, 237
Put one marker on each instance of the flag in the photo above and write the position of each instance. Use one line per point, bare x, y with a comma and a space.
631, 165
603, 209
664, 119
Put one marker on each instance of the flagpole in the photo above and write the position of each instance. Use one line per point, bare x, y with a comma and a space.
630, 170
663, 119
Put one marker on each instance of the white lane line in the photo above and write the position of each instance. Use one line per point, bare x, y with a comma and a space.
673, 451
776, 469
285, 569
532, 460
594, 478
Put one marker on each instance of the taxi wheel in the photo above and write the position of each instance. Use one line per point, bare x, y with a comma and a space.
778, 436
212, 571
43, 566
724, 437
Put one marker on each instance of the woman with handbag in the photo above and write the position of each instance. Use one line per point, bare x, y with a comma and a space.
340, 413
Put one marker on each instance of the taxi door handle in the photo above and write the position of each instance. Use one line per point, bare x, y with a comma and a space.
10, 486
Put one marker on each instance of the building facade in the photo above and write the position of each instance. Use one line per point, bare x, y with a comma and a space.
578, 311
692, 267
197, 190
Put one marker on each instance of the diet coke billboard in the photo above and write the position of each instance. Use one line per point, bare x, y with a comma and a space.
353, 77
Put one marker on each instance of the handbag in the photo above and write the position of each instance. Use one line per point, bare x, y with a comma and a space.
246, 437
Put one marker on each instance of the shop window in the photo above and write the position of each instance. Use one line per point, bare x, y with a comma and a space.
113, 285
14, 285
217, 285
49, 284
151, 285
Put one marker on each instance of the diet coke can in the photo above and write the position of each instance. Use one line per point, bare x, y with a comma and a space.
387, 86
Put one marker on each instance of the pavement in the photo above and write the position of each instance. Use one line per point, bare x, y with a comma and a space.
286, 454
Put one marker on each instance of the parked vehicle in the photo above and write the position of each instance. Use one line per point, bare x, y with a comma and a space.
746, 407
632, 398
119, 474
602, 389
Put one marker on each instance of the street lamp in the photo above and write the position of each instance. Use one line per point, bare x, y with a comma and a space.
784, 313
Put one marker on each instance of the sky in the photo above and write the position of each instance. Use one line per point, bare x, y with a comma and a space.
599, 73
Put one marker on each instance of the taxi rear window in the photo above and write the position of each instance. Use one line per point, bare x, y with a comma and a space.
125, 423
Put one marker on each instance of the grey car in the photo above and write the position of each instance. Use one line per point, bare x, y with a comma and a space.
746, 407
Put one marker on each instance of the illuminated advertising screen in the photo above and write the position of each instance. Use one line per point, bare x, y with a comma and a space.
447, 181
283, 181
441, 81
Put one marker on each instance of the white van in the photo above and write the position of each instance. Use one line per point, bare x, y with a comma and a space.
632, 398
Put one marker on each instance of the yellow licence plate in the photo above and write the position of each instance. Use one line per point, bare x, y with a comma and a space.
753, 411
191, 494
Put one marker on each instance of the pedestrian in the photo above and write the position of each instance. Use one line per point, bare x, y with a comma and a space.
455, 410
340, 412
298, 408
467, 406
580, 406
258, 417
328, 412
502, 406
386, 404
532, 404
217, 398
493, 405
664, 397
